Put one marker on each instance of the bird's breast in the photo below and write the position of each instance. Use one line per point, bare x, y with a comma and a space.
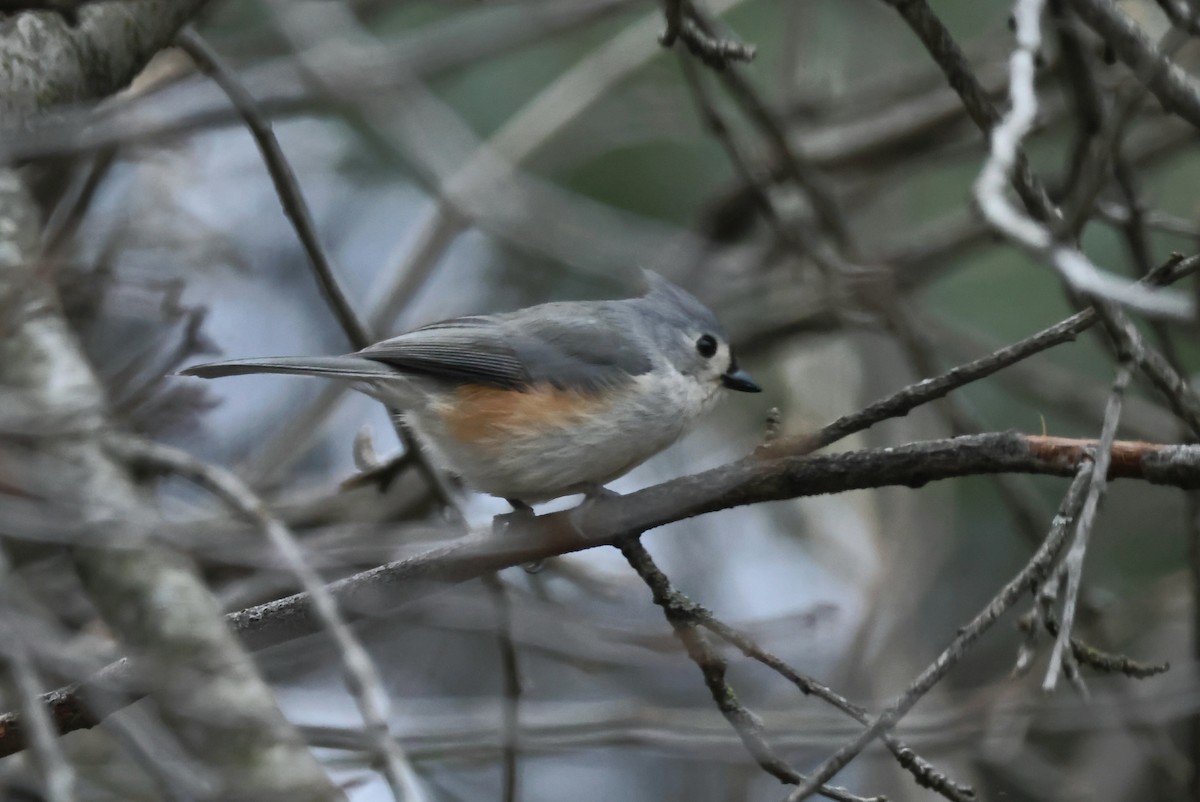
495, 417
541, 442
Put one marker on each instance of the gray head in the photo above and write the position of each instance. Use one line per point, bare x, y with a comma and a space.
689, 336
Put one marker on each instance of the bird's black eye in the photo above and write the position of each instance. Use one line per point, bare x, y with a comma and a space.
706, 346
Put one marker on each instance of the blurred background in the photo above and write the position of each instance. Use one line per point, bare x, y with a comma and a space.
465, 157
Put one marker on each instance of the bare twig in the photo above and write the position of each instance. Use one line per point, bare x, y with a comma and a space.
362, 680
287, 188
297, 211
794, 164
1073, 563
715, 51
1034, 572
510, 724
712, 666
1006, 137
16, 660
684, 609
915, 395
1099, 660
954, 65
926, 390
1165, 79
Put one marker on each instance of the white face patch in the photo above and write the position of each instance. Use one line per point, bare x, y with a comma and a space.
704, 370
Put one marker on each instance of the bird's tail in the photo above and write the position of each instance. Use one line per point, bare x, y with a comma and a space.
351, 368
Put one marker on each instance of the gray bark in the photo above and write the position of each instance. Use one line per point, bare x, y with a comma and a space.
204, 684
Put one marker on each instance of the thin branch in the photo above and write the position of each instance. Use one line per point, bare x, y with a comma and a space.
954, 65
793, 163
296, 209
1034, 572
1177, 391
909, 398
1035, 235
922, 771
287, 188
712, 667
751, 480
1106, 662
1073, 563
715, 51
16, 660
510, 723
362, 680
1165, 79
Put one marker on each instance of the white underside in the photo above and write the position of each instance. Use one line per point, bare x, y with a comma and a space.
649, 415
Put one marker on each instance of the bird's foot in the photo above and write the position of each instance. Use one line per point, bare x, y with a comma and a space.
591, 495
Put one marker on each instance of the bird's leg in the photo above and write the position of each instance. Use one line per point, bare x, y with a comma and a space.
522, 513
592, 492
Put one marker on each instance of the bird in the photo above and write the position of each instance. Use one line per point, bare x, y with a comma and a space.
547, 401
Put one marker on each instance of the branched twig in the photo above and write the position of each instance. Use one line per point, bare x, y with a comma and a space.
1098, 659
926, 775
673, 14
794, 165
954, 65
1073, 563
715, 51
1075, 268
1034, 572
1165, 79
362, 680
712, 666
909, 398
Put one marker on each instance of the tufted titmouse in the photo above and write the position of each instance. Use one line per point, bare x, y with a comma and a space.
547, 401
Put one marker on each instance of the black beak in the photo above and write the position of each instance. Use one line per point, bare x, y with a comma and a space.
738, 379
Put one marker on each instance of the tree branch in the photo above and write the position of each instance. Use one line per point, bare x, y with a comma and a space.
712, 666
1034, 572
749, 481
205, 686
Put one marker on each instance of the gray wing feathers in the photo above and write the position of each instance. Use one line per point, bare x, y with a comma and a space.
338, 367
582, 352
568, 346
473, 353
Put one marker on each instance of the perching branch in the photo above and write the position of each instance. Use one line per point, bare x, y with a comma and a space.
607, 521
